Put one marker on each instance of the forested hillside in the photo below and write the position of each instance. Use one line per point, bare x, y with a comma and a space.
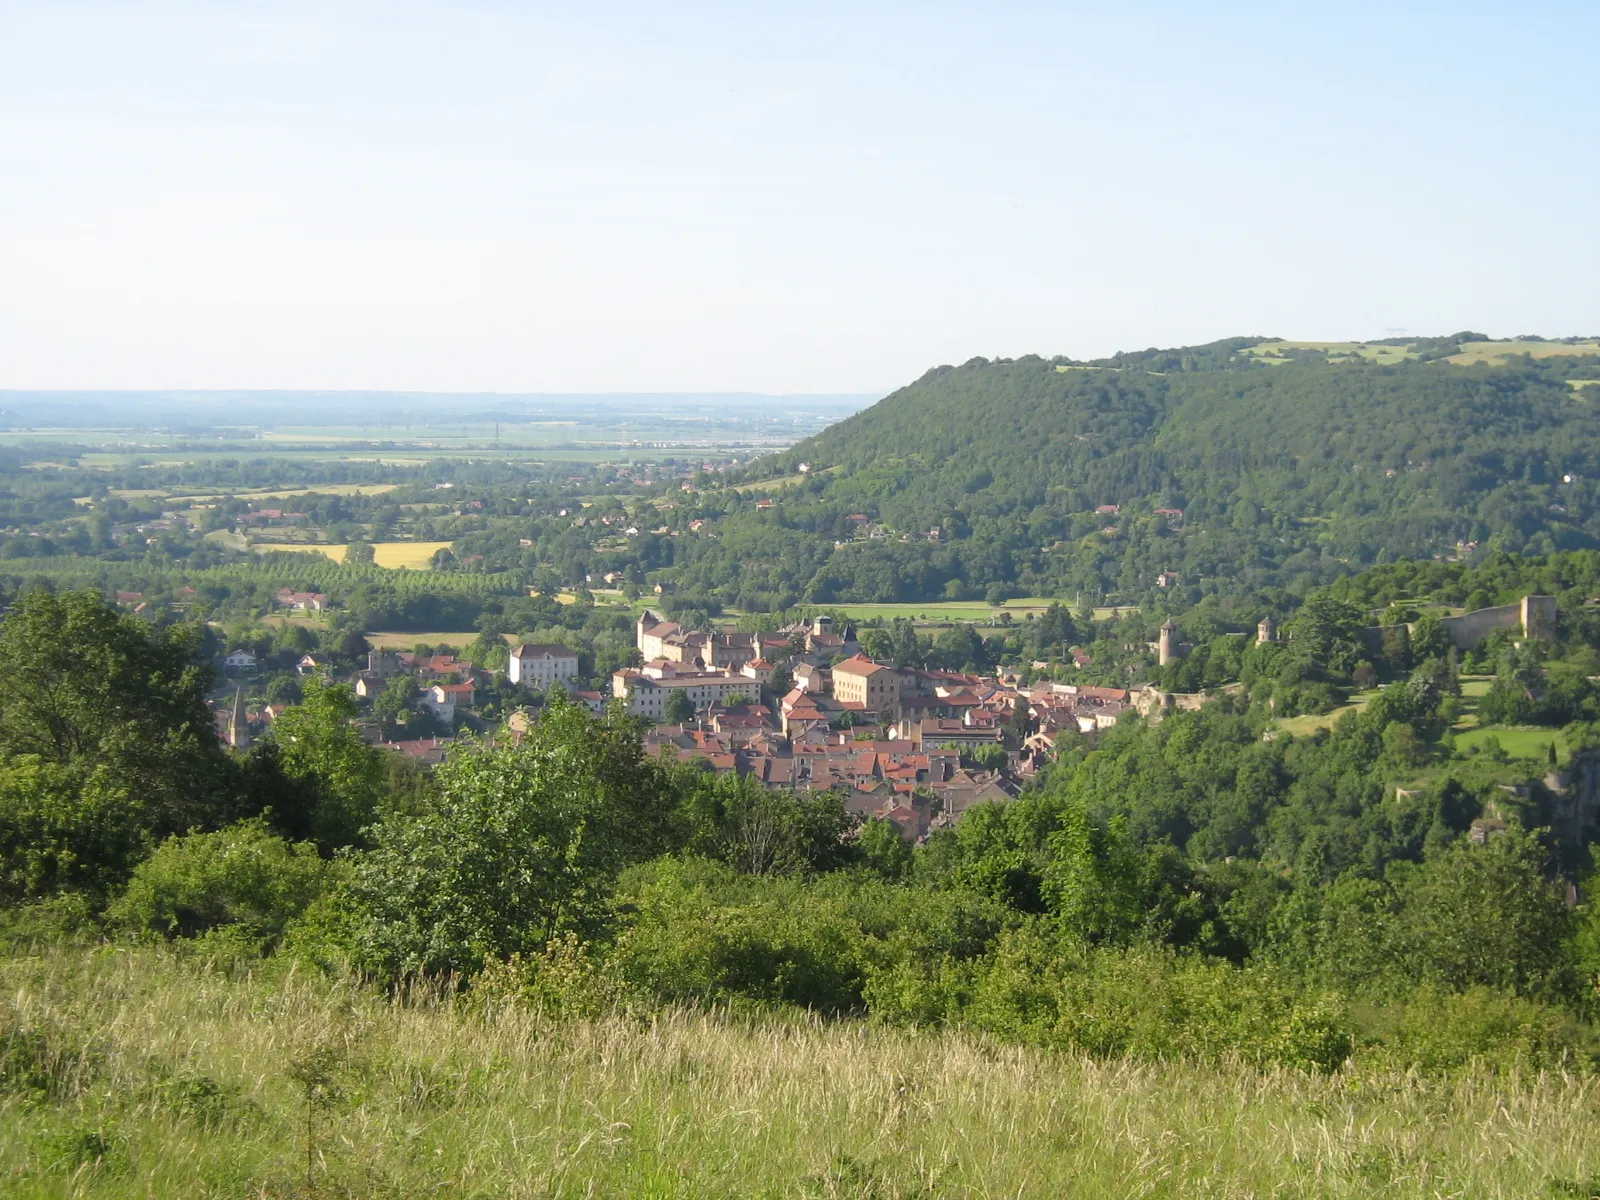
1274, 476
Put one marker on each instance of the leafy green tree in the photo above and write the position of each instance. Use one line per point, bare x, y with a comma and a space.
1486, 916
885, 850
319, 748
520, 843
489, 652
105, 739
679, 709
1326, 632
359, 552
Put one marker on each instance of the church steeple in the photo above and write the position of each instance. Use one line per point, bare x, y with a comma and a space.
239, 723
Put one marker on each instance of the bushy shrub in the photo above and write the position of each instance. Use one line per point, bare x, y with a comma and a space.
241, 876
701, 932
1433, 1030
1147, 1002
517, 845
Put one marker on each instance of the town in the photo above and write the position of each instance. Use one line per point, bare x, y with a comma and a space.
800, 708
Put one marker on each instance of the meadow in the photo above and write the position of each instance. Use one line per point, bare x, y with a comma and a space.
135, 1072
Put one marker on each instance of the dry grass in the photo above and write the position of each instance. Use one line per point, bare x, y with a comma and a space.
185, 1090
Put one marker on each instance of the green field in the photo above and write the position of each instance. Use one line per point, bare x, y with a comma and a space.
948, 611
1308, 724
1518, 741
142, 1072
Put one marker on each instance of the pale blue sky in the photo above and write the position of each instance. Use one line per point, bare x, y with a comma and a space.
818, 197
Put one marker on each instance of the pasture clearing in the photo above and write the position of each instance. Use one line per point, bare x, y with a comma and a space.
1493, 352
1518, 741
1302, 726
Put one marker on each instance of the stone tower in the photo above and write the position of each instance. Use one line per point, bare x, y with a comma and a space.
238, 723
1167, 648
1267, 631
1538, 615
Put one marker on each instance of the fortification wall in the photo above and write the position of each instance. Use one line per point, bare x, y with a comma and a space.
1468, 630
1534, 615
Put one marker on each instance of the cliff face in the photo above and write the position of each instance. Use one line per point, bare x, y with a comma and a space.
1575, 800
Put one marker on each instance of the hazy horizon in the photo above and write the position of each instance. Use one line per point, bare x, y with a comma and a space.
480, 197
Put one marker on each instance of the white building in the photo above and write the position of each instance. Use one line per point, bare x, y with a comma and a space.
647, 696
239, 660
542, 666
441, 702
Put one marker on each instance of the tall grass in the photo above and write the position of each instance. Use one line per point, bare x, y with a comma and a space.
140, 1073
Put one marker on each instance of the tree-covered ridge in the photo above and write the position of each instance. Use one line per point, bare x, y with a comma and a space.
1295, 472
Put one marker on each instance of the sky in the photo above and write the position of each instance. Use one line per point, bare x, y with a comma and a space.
768, 197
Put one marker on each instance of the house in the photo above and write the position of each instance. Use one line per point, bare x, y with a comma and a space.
874, 686
759, 670
239, 660
1167, 579
302, 601
542, 665
1109, 510
369, 684
428, 751
311, 664
462, 695
441, 703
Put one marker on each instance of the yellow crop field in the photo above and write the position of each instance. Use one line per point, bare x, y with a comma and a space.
416, 556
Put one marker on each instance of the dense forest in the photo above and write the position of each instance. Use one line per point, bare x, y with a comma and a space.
1041, 476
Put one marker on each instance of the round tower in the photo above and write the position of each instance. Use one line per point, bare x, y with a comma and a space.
1267, 631
1167, 649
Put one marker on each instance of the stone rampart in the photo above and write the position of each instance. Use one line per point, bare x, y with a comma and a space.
1534, 615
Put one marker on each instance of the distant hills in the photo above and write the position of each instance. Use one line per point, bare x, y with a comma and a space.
1244, 464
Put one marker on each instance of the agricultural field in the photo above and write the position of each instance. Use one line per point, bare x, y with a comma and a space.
415, 556
1492, 352
162, 1074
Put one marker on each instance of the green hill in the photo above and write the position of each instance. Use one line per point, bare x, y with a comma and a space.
1290, 463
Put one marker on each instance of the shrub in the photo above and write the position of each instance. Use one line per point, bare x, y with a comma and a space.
1433, 1030
518, 845
1149, 1003
242, 876
701, 932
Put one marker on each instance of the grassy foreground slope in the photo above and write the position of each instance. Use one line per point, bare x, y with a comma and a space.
137, 1073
